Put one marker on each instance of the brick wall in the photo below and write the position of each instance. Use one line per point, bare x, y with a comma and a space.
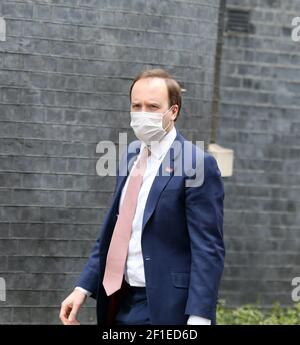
260, 120
65, 70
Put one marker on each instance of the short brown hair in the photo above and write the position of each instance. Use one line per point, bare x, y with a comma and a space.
174, 90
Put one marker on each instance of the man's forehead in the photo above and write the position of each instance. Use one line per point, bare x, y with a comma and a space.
154, 87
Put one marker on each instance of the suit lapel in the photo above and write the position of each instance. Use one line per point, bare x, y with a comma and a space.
166, 172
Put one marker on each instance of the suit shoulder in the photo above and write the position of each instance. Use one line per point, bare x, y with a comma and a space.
201, 157
134, 145
211, 165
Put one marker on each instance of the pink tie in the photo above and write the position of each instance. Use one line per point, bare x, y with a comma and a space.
117, 253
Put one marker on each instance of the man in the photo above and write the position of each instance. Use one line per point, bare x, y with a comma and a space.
160, 254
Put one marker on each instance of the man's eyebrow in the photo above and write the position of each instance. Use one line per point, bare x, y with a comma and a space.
154, 103
148, 103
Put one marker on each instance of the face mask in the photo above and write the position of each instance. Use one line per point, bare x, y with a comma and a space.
148, 126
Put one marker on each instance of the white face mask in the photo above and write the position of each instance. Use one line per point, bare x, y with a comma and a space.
148, 126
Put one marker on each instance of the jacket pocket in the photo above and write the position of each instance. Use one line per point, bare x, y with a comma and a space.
181, 279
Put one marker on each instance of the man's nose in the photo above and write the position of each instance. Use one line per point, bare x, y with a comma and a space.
144, 108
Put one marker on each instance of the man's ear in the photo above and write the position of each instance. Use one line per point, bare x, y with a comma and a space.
174, 112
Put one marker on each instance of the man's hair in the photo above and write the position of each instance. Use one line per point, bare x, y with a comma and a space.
174, 90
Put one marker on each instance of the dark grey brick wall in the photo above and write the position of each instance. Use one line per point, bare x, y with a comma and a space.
65, 71
260, 120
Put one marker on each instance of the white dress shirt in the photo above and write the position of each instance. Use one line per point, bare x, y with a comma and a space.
134, 272
134, 268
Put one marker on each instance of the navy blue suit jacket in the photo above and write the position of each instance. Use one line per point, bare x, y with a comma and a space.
182, 241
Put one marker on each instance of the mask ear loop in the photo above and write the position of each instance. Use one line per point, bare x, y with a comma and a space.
165, 129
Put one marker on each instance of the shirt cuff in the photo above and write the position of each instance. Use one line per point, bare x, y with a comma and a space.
88, 293
198, 320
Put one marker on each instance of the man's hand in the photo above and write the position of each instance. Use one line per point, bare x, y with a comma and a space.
70, 307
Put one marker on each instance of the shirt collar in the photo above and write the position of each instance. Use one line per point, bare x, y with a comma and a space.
159, 149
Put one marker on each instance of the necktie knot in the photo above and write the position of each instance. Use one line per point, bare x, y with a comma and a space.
142, 162
146, 152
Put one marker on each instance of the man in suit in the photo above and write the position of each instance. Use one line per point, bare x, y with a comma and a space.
160, 254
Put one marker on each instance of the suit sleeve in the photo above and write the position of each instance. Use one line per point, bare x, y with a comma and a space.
204, 214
